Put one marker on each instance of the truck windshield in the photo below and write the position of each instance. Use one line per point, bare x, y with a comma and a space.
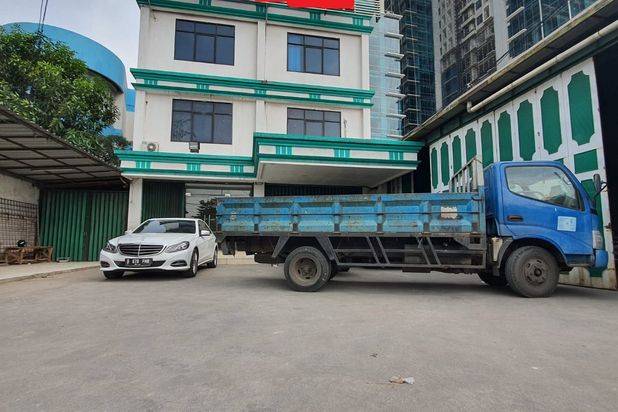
544, 183
166, 226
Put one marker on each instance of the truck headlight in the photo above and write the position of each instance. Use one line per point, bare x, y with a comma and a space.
110, 248
597, 240
177, 247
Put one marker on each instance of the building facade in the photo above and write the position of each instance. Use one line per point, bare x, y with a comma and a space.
253, 98
101, 62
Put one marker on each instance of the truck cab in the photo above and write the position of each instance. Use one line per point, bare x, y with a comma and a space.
543, 205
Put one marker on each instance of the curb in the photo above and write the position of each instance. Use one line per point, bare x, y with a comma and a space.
44, 275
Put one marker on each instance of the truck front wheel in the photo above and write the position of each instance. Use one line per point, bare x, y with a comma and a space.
532, 272
306, 269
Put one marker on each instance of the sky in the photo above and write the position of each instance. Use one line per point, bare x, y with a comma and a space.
112, 23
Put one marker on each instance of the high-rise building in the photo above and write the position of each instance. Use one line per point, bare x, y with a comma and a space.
475, 37
417, 63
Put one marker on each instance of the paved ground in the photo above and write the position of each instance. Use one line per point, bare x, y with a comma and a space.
235, 338
10, 273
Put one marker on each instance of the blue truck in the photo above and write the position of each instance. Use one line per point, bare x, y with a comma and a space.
515, 223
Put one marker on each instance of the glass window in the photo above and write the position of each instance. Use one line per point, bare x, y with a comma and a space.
204, 42
204, 122
313, 54
544, 183
314, 122
166, 226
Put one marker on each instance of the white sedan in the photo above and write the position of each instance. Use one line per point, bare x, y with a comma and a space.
180, 245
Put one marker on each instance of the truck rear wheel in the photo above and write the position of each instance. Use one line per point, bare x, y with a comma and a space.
306, 269
532, 272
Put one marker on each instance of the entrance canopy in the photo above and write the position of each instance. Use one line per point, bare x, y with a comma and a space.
30, 152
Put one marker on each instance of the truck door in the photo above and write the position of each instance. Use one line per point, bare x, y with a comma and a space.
542, 201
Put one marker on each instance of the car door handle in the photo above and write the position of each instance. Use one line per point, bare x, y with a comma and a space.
514, 218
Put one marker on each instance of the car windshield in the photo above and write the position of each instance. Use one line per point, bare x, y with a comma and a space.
166, 226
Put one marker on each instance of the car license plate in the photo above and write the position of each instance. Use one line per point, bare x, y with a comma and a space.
138, 262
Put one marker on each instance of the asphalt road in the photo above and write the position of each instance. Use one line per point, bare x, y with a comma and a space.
235, 338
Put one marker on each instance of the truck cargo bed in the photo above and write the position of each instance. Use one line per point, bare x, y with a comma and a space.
416, 214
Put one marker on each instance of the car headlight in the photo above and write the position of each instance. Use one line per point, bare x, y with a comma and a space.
597, 240
110, 248
177, 247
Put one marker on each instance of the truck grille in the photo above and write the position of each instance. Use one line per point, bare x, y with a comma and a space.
131, 249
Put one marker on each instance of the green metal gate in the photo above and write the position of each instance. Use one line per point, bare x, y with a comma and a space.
163, 199
77, 223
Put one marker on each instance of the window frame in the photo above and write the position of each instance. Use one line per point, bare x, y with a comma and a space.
214, 36
304, 48
580, 202
305, 120
213, 117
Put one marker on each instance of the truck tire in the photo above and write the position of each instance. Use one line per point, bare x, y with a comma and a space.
493, 281
306, 269
532, 272
213, 264
114, 274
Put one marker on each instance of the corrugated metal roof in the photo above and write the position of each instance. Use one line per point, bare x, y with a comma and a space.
30, 152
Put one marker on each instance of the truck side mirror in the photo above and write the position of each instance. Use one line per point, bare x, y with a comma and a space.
598, 183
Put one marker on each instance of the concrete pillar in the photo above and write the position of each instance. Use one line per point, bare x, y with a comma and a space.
261, 51
259, 189
134, 217
139, 120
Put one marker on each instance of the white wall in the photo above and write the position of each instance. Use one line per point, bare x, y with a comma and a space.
18, 189
157, 126
157, 35
351, 119
350, 58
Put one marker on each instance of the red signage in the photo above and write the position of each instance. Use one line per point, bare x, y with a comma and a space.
316, 4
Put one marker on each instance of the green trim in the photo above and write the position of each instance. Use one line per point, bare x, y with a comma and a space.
456, 148
257, 96
357, 25
580, 108
487, 143
339, 142
434, 168
586, 161
550, 120
168, 157
129, 170
525, 129
244, 83
326, 159
444, 163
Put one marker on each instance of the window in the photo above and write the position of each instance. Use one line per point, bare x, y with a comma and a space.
311, 54
204, 42
314, 122
166, 226
544, 183
204, 122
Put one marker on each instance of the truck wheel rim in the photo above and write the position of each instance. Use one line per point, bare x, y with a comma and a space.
304, 271
536, 271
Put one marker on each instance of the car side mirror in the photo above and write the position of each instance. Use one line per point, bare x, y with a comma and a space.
204, 233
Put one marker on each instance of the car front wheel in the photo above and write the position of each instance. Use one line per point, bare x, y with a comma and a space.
192, 266
213, 263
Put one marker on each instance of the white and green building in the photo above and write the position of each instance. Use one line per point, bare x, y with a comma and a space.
556, 101
278, 99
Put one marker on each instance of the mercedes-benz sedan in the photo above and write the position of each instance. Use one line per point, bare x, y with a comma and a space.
179, 245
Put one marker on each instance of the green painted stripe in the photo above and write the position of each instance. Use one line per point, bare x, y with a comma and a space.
344, 142
132, 170
259, 14
257, 96
167, 157
240, 82
586, 161
321, 159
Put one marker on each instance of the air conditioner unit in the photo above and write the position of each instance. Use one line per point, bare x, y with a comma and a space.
152, 147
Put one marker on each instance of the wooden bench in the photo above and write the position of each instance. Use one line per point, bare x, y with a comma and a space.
28, 254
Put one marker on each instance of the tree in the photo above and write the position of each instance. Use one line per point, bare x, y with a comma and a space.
207, 210
43, 81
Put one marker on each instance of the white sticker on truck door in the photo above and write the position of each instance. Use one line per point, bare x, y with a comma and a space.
567, 223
